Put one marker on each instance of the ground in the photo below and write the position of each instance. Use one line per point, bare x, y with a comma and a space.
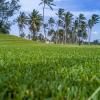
36, 71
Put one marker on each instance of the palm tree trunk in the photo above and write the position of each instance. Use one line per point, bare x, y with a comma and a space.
90, 36
65, 33
79, 41
76, 37
57, 33
19, 30
48, 28
44, 22
82, 38
64, 37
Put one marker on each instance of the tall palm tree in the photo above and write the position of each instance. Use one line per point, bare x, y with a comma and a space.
91, 22
90, 25
21, 20
81, 20
46, 3
51, 31
35, 20
75, 25
51, 22
45, 30
60, 15
61, 34
84, 30
68, 24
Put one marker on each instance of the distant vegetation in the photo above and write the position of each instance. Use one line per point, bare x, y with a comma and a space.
7, 9
67, 29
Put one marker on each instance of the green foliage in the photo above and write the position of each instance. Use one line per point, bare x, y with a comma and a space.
4, 27
91, 22
7, 9
35, 20
45, 3
41, 72
21, 21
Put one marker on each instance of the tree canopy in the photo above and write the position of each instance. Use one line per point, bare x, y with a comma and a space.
7, 9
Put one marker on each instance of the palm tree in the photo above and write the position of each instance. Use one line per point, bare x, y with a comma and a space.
75, 25
81, 20
91, 22
52, 33
51, 22
41, 37
21, 20
45, 30
35, 20
60, 15
68, 24
61, 34
90, 25
84, 30
46, 3
28, 36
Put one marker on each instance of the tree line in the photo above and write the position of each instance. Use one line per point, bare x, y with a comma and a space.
66, 28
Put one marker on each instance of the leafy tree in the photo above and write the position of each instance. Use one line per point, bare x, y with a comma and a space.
46, 3
79, 36
61, 34
46, 30
68, 24
60, 15
4, 27
41, 38
7, 9
84, 29
81, 27
75, 31
85, 35
28, 36
51, 30
22, 21
81, 19
91, 22
35, 20
51, 23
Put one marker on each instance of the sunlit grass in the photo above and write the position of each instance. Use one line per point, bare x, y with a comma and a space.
39, 71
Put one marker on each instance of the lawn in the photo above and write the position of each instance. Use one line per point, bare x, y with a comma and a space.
36, 71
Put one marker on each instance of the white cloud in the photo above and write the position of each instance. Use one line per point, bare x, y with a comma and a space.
86, 13
29, 5
95, 33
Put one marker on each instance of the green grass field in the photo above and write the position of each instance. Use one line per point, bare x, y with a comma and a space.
35, 71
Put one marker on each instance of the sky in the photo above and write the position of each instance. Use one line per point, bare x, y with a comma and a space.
87, 7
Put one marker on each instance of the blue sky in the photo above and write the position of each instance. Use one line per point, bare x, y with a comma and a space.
87, 7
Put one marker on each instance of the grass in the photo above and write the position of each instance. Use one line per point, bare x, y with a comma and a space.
35, 71
11, 39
